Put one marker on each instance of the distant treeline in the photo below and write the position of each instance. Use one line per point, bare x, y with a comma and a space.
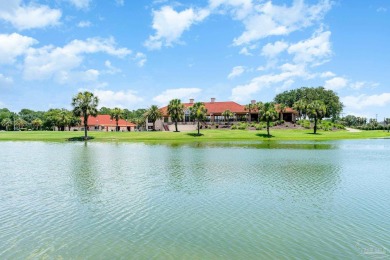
27, 119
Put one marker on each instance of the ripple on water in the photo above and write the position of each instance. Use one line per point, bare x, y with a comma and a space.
104, 200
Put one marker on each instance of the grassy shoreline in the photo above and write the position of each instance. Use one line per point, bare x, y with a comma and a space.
208, 136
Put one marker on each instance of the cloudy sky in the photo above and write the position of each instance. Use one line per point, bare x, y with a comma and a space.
136, 53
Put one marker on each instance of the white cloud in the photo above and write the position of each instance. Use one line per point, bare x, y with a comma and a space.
123, 99
110, 68
272, 20
140, 58
84, 24
239, 8
327, 74
358, 85
236, 71
289, 72
13, 45
245, 51
181, 93
59, 63
80, 4
381, 9
74, 77
5, 81
272, 50
120, 2
336, 83
30, 16
364, 101
286, 85
363, 84
313, 50
170, 25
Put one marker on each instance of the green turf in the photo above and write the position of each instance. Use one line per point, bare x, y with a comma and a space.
208, 135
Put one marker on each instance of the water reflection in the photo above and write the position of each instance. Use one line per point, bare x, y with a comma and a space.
84, 172
232, 200
298, 145
186, 170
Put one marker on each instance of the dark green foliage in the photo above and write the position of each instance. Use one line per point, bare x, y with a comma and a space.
329, 97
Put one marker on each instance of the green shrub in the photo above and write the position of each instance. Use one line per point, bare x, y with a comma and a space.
242, 126
259, 126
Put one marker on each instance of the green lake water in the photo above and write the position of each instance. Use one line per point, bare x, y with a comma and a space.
270, 200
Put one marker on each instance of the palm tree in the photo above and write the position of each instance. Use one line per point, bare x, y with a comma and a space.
250, 107
63, 119
20, 123
74, 121
85, 105
268, 113
7, 122
227, 114
139, 121
198, 112
300, 106
116, 114
176, 111
37, 123
153, 114
316, 110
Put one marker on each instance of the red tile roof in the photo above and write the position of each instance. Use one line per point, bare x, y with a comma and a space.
214, 107
105, 120
219, 107
290, 110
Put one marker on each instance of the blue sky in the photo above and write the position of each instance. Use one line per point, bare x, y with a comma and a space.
136, 53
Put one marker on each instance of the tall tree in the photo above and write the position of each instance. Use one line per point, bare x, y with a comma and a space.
316, 110
300, 107
7, 123
63, 119
104, 111
85, 105
176, 111
153, 114
227, 114
20, 123
250, 108
198, 112
139, 121
37, 123
267, 113
331, 100
74, 121
51, 118
116, 114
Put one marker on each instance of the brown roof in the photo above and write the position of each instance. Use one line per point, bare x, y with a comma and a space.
214, 107
290, 110
219, 107
105, 120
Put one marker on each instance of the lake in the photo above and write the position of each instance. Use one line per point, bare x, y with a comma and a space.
194, 201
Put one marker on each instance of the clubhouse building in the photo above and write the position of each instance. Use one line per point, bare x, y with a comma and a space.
214, 115
105, 123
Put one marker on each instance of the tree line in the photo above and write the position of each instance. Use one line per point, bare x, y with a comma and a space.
313, 103
61, 119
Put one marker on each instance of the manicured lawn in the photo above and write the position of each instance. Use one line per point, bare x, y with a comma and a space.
208, 135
